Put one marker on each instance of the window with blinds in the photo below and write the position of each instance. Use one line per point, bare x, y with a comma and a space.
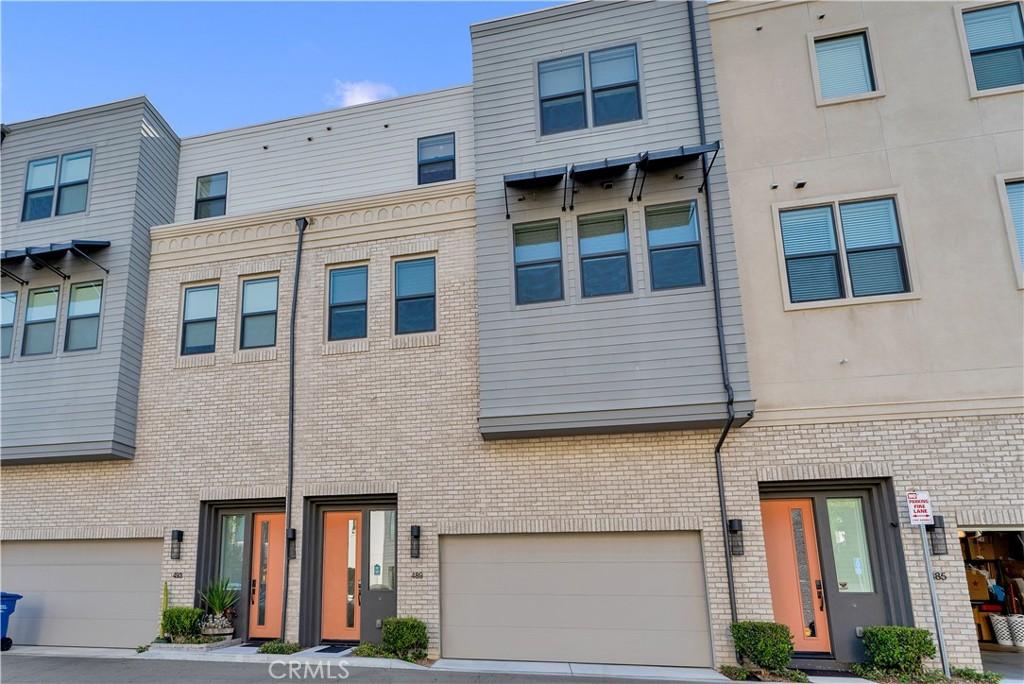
1015, 197
844, 66
862, 256
995, 37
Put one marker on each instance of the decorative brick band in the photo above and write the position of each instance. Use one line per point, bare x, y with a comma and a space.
965, 517
259, 266
195, 361
83, 532
241, 492
248, 355
348, 488
412, 341
345, 346
560, 524
341, 256
824, 471
426, 244
195, 275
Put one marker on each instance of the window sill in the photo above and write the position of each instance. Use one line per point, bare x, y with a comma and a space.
590, 130
334, 347
852, 301
416, 340
1005, 90
251, 355
873, 95
195, 360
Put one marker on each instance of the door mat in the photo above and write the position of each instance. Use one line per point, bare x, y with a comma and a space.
334, 648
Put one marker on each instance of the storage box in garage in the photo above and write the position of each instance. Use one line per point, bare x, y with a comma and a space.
977, 585
983, 625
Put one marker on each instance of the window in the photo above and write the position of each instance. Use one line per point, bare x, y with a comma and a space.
383, 550
870, 240
1015, 198
995, 38
42, 184
673, 240
259, 313
435, 157
40, 321
849, 539
199, 320
604, 254
83, 328
9, 301
414, 296
562, 93
538, 259
615, 84
348, 303
211, 195
844, 66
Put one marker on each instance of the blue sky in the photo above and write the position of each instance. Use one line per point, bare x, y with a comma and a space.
210, 66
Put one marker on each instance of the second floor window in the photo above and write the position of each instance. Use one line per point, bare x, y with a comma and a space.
415, 296
435, 158
844, 66
259, 313
604, 254
64, 179
211, 195
538, 258
1015, 198
83, 327
8, 309
563, 105
199, 320
615, 85
40, 321
995, 37
673, 240
347, 315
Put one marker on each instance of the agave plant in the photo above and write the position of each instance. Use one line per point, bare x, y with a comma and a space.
219, 597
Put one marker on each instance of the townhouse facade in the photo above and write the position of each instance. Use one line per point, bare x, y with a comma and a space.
489, 356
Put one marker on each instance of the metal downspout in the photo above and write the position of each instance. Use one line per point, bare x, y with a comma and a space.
300, 226
719, 322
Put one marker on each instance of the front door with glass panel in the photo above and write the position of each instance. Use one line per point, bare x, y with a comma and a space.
266, 586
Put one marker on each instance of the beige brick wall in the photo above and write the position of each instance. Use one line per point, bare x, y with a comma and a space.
398, 415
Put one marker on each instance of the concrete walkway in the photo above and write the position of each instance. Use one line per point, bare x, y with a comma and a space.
509, 667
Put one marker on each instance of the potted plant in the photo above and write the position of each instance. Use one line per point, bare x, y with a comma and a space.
220, 600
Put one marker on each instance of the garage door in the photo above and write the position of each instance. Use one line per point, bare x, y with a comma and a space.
83, 593
635, 598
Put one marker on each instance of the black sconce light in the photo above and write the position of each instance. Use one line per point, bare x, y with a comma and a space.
937, 536
414, 542
290, 536
736, 536
176, 537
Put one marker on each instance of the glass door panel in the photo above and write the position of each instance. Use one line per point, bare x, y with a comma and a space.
232, 550
849, 538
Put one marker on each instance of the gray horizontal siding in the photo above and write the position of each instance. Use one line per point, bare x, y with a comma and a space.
82, 404
597, 357
370, 149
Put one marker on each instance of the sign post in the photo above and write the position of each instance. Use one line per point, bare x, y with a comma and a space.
919, 505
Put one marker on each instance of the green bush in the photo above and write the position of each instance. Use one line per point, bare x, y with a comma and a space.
737, 674
180, 621
219, 597
369, 650
975, 676
278, 647
792, 675
767, 645
892, 648
405, 637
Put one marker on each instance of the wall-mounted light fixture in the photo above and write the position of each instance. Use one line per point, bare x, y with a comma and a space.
414, 541
176, 537
736, 536
799, 183
290, 536
937, 536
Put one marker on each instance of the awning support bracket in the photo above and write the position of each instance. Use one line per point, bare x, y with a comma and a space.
8, 274
90, 260
572, 193
40, 263
707, 170
504, 189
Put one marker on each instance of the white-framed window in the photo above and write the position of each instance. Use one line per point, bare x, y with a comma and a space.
8, 312
537, 252
40, 321
613, 86
994, 37
57, 185
604, 254
435, 159
83, 325
843, 65
1011, 187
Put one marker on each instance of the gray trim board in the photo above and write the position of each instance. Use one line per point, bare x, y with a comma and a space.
66, 452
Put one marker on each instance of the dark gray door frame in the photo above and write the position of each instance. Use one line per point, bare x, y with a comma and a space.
885, 548
310, 599
208, 551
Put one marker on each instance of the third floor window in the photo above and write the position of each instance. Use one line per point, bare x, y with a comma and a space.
57, 185
995, 37
614, 86
211, 195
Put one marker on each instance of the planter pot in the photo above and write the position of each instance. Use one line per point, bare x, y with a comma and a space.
225, 632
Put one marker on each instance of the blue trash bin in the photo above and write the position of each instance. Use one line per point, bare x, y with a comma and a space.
7, 605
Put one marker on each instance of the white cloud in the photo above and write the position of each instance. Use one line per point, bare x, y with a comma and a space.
347, 93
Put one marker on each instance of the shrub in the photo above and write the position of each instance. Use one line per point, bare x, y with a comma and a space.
792, 675
369, 650
405, 637
767, 645
975, 676
898, 649
219, 597
737, 674
278, 647
180, 622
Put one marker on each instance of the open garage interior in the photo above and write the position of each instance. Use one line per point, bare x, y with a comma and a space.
619, 597
83, 593
994, 563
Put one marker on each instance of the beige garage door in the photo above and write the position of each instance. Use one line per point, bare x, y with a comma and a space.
83, 593
635, 598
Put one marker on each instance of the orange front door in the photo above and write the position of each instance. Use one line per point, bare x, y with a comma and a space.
342, 575
266, 584
794, 572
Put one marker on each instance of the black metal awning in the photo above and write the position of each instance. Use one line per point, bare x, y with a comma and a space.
661, 160
598, 172
42, 256
533, 180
